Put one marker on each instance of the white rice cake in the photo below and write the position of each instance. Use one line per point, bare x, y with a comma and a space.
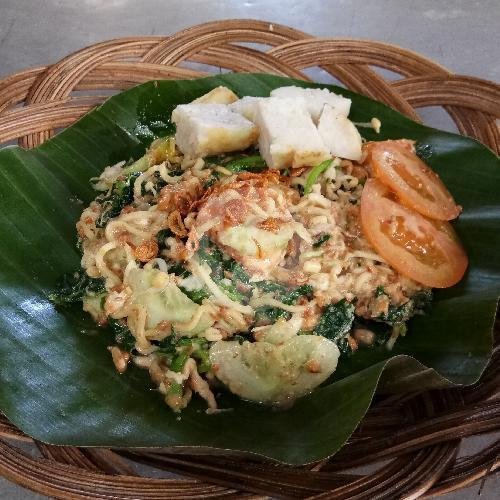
288, 136
316, 99
339, 134
218, 95
211, 129
246, 106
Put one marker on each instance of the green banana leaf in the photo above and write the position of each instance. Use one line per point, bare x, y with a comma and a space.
57, 382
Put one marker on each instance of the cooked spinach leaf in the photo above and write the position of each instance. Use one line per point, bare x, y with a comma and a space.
336, 320
178, 350
212, 255
178, 269
161, 236
398, 314
238, 274
269, 314
289, 296
253, 163
196, 295
323, 238
122, 333
122, 194
72, 287
292, 295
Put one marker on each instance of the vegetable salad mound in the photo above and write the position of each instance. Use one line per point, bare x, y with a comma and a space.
260, 246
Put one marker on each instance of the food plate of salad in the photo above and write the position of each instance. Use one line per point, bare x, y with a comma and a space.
238, 253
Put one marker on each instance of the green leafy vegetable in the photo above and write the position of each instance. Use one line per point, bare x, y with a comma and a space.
73, 287
219, 265
214, 177
270, 286
179, 349
314, 174
121, 195
161, 236
398, 314
196, 295
179, 361
122, 333
253, 163
212, 255
200, 354
344, 347
175, 389
336, 320
269, 314
402, 313
232, 292
178, 269
238, 274
244, 163
322, 239
289, 296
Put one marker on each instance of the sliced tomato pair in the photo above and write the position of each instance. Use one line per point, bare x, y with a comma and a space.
417, 186
426, 250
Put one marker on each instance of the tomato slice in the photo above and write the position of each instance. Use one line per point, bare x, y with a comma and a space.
425, 250
417, 186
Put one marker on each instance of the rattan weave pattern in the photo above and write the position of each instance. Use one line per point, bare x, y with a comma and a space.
416, 436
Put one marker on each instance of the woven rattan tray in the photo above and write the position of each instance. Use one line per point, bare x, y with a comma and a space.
416, 436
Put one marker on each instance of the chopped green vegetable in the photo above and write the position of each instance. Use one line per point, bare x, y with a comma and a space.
232, 292
179, 361
122, 333
245, 163
203, 360
73, 287
379, 291
175, 389
344, 347
269, 314
179, 270
253, 163
289, 296
196, 295
167, 346
214, 177
161, 236
270, 286
177, 350
212, 255
323, 238
238, 274
398, 314
283, 293
122, 194
336, 321
314, 174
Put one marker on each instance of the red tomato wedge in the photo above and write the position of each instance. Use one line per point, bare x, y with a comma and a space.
425, 250
417, 186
